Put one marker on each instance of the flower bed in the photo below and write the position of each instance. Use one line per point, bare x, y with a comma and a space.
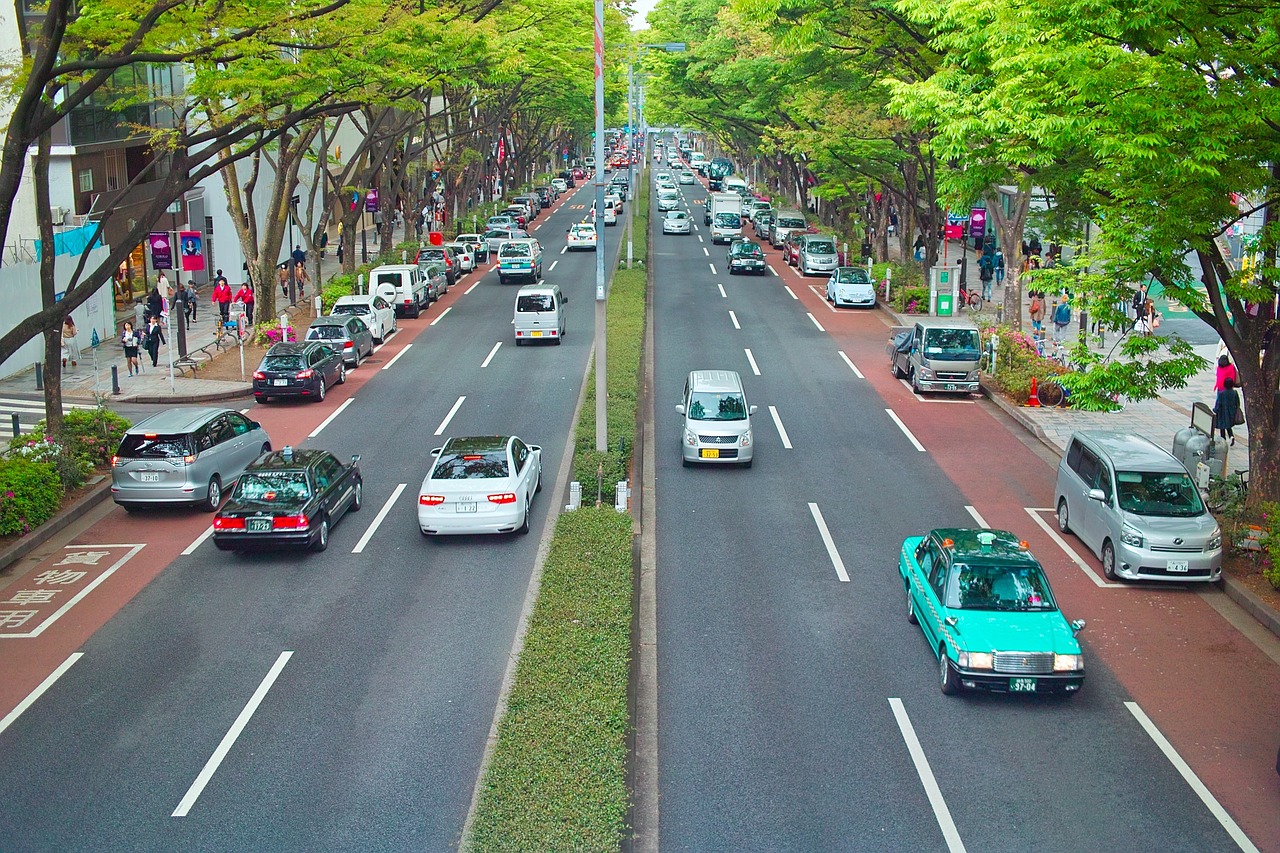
1017, 363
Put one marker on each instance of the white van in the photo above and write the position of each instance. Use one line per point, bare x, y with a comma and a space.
717, 419
540, 313
403, 285
734, 184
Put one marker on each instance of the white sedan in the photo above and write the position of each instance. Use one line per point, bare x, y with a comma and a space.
481, 252
686, 178
480, 484
377, 313
582, 236
676, 222
466, 258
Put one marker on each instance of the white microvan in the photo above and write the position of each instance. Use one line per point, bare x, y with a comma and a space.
540, 313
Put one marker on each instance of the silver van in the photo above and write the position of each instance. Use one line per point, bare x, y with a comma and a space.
540, 313
1136, 507
817, 254
189, 455
784, 222
717, 419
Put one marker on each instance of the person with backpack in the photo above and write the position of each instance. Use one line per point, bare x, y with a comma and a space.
986, 272
1062, 317
1037, 314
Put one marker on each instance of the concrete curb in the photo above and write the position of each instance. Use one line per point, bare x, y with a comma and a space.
209, 397
1252, 604
65, 517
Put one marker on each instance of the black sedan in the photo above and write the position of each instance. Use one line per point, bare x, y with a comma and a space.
745, 256
288, 498
303, 369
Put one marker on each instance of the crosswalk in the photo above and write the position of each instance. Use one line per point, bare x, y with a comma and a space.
30, 411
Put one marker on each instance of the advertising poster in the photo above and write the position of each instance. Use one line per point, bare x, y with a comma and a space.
371, 202
978, 222
192, 244
161, 250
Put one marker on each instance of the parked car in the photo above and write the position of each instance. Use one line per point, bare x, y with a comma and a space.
346, 333
761, 223
443, 255
746, 256
403, 285
582, 236
561, 184
463, 253
377, 313
520, 259
676, 222
289, 498
303, 369
480, 484
480, 243
186, 455
540, 314
851, 286
437, 280
816, 253
784, 222
791, 248
501, 220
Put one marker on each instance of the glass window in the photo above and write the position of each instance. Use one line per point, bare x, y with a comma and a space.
521, 454
328, 470
979, 587
1073, 455
535, 303
205, 438
274, 486
951, 344
465, 464
155, 446
937, 569
1158, 494
353, 308
239, 424
1088, 469
821, 247
717, 406
326, 333
282, 362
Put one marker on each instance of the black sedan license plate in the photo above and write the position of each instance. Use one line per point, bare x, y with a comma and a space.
1022, 685
258, 525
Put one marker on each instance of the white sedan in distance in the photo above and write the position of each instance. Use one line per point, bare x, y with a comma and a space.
481, 245
582, 236
676, 222
377, 313
466, 258
480, 484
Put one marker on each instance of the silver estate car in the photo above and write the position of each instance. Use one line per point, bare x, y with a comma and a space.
189, 455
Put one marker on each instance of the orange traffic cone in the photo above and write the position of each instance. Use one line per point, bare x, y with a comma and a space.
1034, 400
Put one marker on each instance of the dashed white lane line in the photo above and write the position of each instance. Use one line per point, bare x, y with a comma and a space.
471, 288
790, 292
491, 354
897, 420
782, 431
940, 811
713, 269
828, 542
700, 240
852, 366
720, 287
982, 522
772, 270
40, 690
377, 519
815, 321
706, 252
324, 423
553, 265
752, 361
734, 318
199, 540
229, 739
396, 357
444, 423
442, 315
1034, 512
564, 249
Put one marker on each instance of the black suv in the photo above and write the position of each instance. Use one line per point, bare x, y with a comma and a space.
304, 369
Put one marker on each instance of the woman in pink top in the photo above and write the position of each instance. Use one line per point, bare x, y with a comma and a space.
1226, 370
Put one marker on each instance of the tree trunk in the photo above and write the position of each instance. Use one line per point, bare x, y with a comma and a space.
48, 286
1010, 227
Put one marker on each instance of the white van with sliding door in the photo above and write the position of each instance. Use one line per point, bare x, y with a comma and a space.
540, 314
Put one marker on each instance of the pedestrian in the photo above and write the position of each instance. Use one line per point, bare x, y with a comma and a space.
155, 302
986, 272
299, 256
1062, 317
1139, 301
1227, 414
282, 277
162, 282
245, 295
139, 313
222, 298
131, 342
1037, 314
189, 297
1148, 320
153, 340
70, 346
1226, 371
999, 266
341, 251
300, 275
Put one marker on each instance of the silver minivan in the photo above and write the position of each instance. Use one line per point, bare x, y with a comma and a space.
717, 419
1136, 507
540, 313
188, 455
817, 254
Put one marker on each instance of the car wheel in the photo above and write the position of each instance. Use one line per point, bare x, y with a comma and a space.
1064, 520
321, 390
538, 487
915, 389
263, 399
1109, 561
911, 609
212, 494
947, 680
322, 536
524, 526
358, 500
266, 447
342, 373
417, 310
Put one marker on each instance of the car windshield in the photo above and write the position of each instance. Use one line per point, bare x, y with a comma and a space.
283, 362
273, 486
982, 587
790, 222
1160, 494
486, 465
352, 308
535, 302
677, 214
728, 220
326, 333
747, 250
951, 344
822, 247
515, 250
854, 275
711, 406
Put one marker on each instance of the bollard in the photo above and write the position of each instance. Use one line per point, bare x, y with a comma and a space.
115, 379
39, 376
17, 427
575, 496
360, 284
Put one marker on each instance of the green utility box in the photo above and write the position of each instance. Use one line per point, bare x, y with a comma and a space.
946, 304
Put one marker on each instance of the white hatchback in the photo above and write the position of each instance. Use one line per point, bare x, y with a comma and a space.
377, 313
480, 484
466, 259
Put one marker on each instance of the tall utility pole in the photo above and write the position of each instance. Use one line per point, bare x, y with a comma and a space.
602, 427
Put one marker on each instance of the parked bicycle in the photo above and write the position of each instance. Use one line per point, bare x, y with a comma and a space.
1229, 492
970, 298
1051, 394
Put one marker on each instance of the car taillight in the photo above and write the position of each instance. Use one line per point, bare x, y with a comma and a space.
189, 458
504, 498
220, 523
348, 345
430, 500
305, 374
258, 374
408, 302
290, 522
115, 461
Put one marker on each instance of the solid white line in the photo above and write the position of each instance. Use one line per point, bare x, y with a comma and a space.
823, 296
720, 287
377, 520
495, 266
713, 269
191, 549
790, 293
904, 429
324, 423
982, 522
441, 317
782, 431
772, 270
940, 810
815, 322
734, 318
752, 360
828, 542
229, 739
244, 411
471, 288
396, 357
1215, 808
852, 366
444, 423
553, 265
48, 682
1067, 549
491, 354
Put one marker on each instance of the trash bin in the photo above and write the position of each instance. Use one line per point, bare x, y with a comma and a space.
945, 304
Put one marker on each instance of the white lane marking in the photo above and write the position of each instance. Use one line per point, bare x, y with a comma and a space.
444, 423
822, 294
471, 288
982, 522
553, 265
852, 366
815, 321
772, 270
377, 519
229, 739
940, 810
789, 292
495, 266
396, 357
907, 385
706, 252
713, 269
782, 431
720, 287
244, 411
897, 420
1215, 808
734, 318
539, 225
48, 682
752, 360
1034, 512
828, 542
491, 354
565, 249
324, 423
700, 240
441, 317
191, 549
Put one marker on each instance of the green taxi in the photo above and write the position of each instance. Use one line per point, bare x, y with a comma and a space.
986, 608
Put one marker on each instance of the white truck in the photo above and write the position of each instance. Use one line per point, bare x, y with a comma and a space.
725, 212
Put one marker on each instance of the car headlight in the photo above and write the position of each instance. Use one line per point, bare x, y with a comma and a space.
926, 373
745, 441
1130, 536
1215, 541
1068, 663
977, 660
689, 438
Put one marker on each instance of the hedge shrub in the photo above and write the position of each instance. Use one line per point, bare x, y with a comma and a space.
1017, 362
30, 493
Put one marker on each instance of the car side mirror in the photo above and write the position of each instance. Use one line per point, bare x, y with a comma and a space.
951, 621
355, 459
751, 410
536, 448
435, 451
1097, 495
1077, 626
680, 408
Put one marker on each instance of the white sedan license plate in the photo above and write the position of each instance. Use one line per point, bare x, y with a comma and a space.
1022, 685
279, 382
469, 506
150, 476
1177, 565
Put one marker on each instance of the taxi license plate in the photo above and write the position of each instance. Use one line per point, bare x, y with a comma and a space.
710, 453
279, 382
467, 507
258, 525
150, 476
1022, 685
1177, 566
537, 334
